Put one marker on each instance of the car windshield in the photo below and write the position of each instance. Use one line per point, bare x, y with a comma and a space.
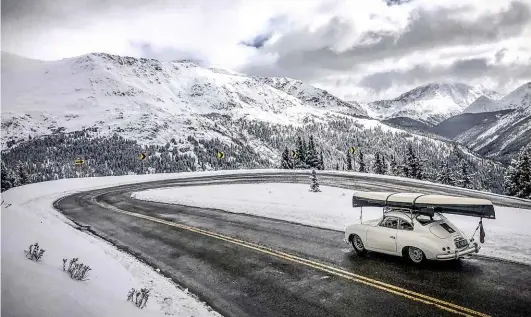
426, 219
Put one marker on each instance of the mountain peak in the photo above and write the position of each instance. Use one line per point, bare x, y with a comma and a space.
430, 103
520, 98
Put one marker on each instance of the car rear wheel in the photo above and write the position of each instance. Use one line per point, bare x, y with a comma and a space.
415, 255
357, 244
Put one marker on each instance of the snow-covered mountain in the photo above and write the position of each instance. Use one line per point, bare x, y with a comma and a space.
520, 98
313, 96
145, 99
494, 128
430, 103
182, 113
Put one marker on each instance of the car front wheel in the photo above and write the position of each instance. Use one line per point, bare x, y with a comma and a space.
357, 244
415, 255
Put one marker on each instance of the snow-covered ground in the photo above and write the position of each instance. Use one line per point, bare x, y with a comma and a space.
507, 237
34, 289
42, 288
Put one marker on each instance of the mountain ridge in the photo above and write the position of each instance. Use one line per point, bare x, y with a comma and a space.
430, 103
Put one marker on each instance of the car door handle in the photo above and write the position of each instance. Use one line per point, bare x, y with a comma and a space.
392, 237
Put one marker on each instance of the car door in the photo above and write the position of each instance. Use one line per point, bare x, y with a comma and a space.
405, 234
383, 236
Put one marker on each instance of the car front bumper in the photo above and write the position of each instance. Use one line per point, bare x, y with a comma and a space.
473, 248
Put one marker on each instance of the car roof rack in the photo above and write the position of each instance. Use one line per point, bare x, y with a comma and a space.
426, 203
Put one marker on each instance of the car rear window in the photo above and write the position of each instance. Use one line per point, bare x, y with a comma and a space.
447, 227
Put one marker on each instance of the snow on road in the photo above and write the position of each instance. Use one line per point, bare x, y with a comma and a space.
507, 237
42, 288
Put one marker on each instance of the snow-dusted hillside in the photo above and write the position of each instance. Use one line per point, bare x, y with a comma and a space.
519, 98
182, 114
313, 96
502, 139
431, 103
494, 128
144, 99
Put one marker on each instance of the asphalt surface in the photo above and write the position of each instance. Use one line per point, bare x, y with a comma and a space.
198, 251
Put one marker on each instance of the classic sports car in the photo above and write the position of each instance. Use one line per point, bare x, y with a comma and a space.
413, 226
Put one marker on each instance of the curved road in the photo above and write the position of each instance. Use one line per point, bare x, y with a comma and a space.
244, 265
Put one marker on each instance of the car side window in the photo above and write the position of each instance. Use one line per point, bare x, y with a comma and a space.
405, 225
389, 222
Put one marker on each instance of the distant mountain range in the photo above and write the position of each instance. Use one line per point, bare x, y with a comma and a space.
430, 103
496, 129
191, 110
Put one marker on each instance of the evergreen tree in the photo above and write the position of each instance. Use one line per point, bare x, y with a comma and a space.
314, 186
445, 174
8, 180
349, 161
337, 166
300, 159
312, 159
361, 163
384, 164
321, 162
22, 175
305, 151
464, 175
285, 162
524, 174
377, 165
518, 175
414, 167
393, 167
510, 183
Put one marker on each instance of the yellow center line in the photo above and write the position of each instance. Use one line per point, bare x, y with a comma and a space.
450, 307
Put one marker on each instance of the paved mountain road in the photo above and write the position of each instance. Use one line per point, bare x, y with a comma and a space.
244, 265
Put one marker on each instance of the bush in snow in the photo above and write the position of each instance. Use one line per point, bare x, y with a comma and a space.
78, 271
140, 298
34, 252
314, 186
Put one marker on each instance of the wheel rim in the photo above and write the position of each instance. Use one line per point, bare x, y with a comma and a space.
415, 254
358, 244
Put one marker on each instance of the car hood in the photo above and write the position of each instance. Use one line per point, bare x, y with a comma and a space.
444, 229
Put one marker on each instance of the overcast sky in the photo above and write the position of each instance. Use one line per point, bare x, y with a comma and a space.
356, 49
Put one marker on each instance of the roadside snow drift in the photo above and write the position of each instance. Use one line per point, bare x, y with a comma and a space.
42, 288
507, 237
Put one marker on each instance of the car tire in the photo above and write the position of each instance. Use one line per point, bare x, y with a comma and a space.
357, 244
415, 255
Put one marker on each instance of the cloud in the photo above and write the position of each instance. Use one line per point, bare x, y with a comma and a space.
258, 41
148, 50
458, 71
354, 48
426, 30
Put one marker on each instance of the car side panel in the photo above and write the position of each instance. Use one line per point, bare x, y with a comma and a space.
359, 229
427, 242
382, 238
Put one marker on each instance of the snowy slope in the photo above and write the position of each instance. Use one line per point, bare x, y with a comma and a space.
431, 103
507, 236
43, 289
153, 102
519, 98
494, 128
313, 96
144, 99
501, 139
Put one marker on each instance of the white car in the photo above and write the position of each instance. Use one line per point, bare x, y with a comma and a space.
411, 227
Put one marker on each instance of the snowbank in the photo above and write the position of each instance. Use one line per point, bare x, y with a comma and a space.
507, 237
42, 288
